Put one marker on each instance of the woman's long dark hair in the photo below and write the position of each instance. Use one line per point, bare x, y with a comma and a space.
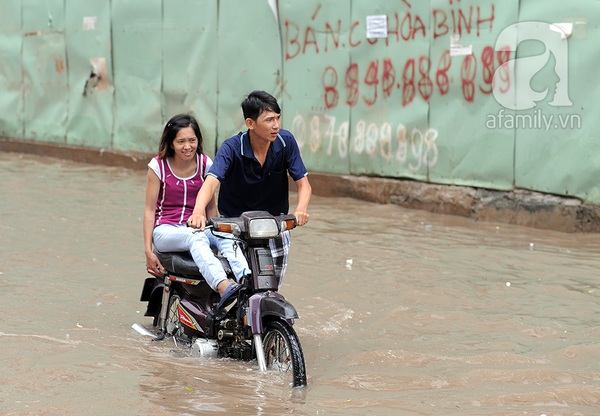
176, 123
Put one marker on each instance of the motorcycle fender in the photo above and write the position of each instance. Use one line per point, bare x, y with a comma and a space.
272, 304
149, 284
152, 293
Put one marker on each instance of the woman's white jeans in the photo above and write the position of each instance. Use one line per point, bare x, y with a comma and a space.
200, 244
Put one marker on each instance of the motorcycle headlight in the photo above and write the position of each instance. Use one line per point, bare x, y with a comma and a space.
263, 228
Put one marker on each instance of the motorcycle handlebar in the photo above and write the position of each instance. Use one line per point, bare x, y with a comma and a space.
242, 224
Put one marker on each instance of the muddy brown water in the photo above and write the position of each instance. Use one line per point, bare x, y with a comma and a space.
401, 312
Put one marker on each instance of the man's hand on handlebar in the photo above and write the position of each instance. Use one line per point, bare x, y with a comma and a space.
301, 217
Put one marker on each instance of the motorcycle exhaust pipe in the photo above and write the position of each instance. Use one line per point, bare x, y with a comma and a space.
142, 330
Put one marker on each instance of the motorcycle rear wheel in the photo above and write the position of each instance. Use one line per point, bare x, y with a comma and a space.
172, 324
283, 352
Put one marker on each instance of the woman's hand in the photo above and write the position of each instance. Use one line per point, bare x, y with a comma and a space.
153, 265
197, 221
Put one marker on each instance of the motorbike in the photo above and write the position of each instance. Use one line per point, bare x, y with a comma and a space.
256, 323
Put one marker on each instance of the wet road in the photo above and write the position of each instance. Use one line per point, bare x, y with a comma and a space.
402, 312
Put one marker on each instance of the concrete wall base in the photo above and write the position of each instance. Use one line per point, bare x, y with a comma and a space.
519, 207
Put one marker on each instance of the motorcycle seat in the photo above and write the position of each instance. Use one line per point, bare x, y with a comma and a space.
182, 263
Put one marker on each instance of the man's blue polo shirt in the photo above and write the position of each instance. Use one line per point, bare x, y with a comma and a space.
248, 186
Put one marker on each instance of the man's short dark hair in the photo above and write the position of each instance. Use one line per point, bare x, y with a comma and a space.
258, 101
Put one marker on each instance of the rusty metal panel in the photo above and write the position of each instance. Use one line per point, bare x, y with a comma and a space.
190, 63
137, 60
45, 90
11, 71
88, 26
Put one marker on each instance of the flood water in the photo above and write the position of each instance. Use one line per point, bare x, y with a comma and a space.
402, 312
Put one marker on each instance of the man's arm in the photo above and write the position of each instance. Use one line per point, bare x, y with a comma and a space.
206, 194
211, 208
304, 194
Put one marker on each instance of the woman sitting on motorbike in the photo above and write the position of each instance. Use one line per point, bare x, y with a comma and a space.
175, 177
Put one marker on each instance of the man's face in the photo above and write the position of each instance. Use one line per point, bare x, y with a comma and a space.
266, 126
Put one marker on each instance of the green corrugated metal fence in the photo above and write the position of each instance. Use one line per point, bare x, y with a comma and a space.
425, 93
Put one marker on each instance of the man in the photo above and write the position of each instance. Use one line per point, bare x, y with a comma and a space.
252, 169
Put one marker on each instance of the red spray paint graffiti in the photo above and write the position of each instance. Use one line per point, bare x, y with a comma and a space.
401, 28
381, 78
420, 76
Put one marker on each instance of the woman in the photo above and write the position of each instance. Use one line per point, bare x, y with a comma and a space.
175, 176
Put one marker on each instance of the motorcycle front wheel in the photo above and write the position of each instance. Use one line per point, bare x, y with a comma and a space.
283, 352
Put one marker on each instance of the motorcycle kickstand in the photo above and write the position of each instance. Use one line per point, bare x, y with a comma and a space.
260, 353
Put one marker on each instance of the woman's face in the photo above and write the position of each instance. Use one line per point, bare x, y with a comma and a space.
185, 144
